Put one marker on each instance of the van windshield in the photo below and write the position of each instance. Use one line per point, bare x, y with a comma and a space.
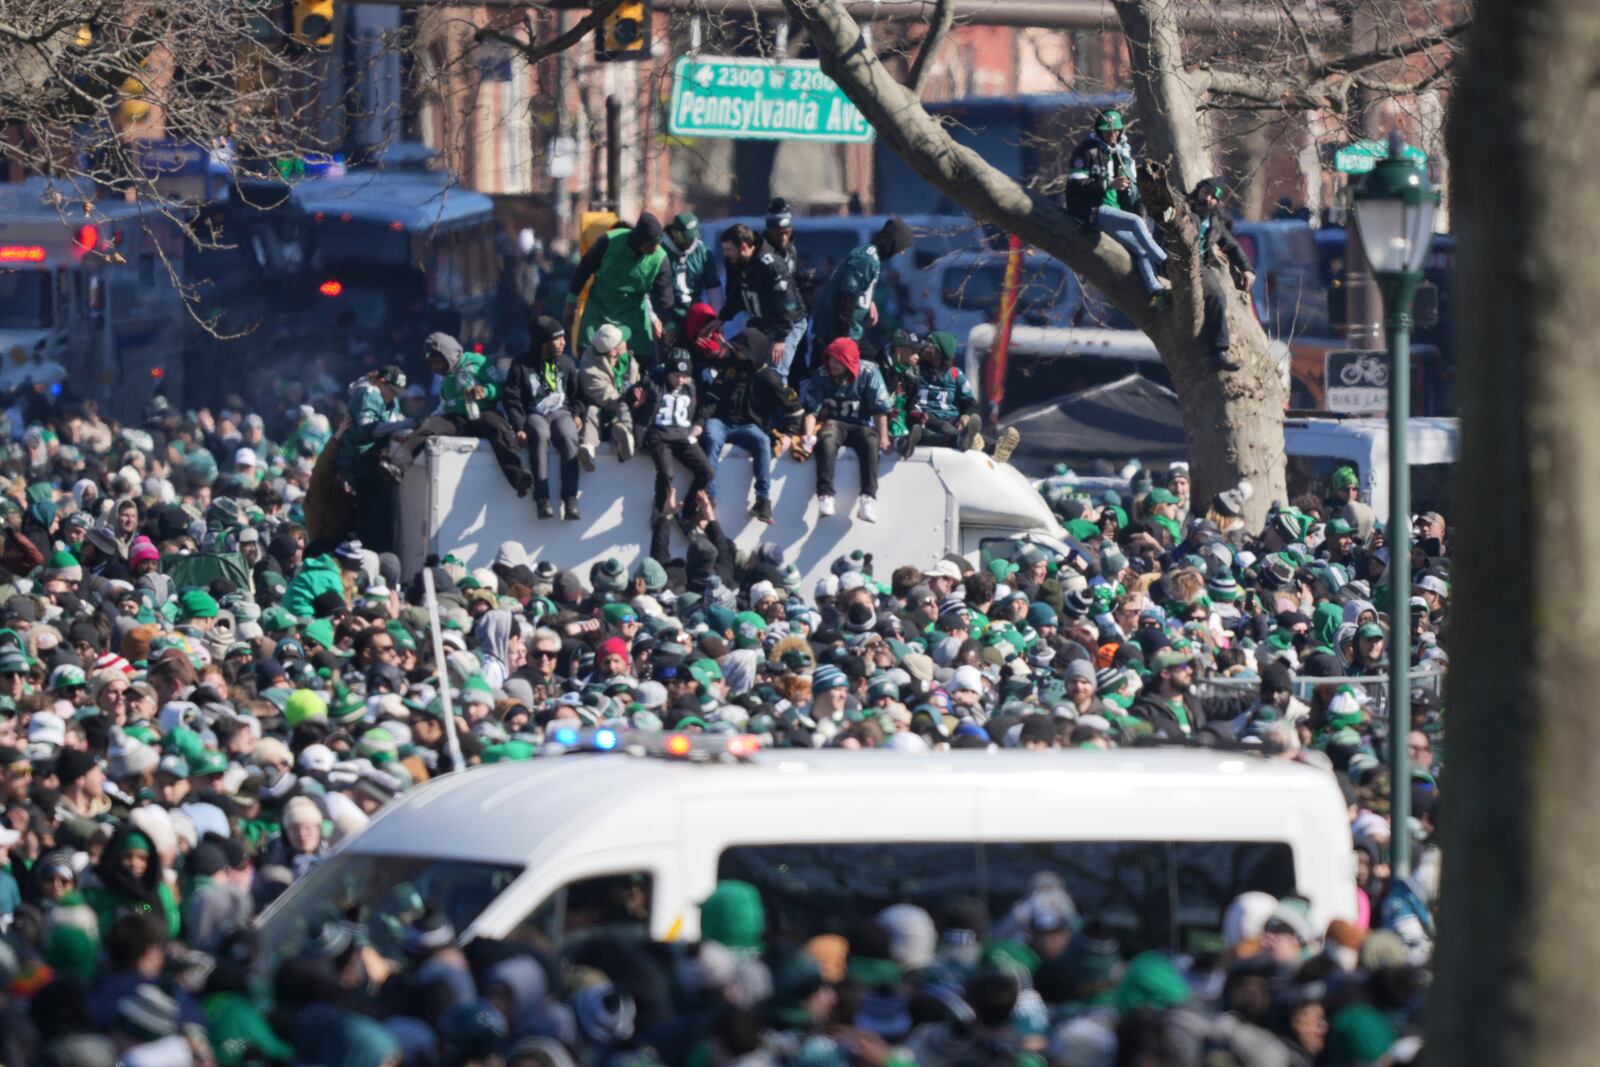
384, 894
1155, 894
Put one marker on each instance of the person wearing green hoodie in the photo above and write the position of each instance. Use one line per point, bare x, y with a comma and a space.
318, 575
129, 875
466, 409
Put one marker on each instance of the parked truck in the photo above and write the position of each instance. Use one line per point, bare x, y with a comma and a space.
455, 500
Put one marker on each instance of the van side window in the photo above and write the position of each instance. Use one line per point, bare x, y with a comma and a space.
813, 889
615, 906
1154, 894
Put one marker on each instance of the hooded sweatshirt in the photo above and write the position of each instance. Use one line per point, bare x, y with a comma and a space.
746, 389
856, 398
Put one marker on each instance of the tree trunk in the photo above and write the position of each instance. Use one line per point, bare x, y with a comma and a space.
1518, 950
1233, 422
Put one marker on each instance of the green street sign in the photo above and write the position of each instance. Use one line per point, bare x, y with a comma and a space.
1362, 156
759, 100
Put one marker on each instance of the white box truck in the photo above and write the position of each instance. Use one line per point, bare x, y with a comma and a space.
455, 500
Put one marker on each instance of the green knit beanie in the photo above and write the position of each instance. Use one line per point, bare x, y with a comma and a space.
733, 916
1151, 981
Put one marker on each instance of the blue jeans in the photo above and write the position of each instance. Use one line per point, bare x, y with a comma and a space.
791, 345
750, 438
1130, 231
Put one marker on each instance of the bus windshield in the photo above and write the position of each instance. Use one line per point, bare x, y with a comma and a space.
25, 299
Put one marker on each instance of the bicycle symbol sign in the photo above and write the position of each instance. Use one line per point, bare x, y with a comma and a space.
1356, 382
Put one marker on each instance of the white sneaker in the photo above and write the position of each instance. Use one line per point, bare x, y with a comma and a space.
867, 509
586, 457
825, 506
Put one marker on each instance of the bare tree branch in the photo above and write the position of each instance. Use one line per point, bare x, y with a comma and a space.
1357, 61
944, 16
532, 53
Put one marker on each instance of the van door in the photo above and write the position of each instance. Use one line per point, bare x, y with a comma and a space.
603, 895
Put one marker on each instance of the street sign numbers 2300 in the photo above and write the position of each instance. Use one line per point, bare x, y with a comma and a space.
757, 77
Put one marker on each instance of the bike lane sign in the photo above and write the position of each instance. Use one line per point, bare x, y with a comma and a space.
1356, 382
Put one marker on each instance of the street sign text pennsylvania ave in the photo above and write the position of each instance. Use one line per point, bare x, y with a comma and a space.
754, 99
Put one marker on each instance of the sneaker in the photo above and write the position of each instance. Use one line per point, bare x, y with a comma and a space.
825, 506
761, 510
546, 509
867, 509
1007, 444
622, 440
908, 444
569, 508
586, 457
978, 442
968, 434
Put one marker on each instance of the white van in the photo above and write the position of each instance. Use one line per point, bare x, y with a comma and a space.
1315, 447
1156, 842
455, 500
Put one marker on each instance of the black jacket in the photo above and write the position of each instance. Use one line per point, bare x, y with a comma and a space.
526, 387
1217, 236
1202, 711
746, 388
765, 290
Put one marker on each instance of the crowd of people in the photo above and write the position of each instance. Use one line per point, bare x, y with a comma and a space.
198, 699
653, 367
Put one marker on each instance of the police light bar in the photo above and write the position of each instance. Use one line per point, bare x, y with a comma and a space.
21, 254
671, 744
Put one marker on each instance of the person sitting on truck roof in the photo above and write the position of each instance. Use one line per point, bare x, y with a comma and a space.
845, 307
1216, 239
761, 289
693, 271
845, 404
607, 377
632, 286
748, 403
949, 404
464, 410
673, 433
542, 403
1103, 194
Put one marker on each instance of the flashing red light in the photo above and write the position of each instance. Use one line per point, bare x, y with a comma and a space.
319, 216
478, 347
21, 254
331, 287
158, 372
87, 237
345, 217
741, 745
397, 225
678, 745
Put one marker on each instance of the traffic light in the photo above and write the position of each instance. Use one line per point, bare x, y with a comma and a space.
624, 37
313, 23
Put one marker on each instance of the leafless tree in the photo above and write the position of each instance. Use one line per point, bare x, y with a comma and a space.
1232, 419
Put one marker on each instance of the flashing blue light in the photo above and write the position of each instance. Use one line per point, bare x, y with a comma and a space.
566, 736
605, 739
55, 388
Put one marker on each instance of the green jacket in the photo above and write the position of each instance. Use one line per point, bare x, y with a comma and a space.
474, 369
108, 902
240, 1033
620, 292
842, 306
319, 575
694, 273
368, 413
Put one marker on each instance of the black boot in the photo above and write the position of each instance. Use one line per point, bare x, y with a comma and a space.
546, 510
569, 508
761, 511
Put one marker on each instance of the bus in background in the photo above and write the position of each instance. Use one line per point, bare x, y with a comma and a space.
405, 249
89, 303
1025, 136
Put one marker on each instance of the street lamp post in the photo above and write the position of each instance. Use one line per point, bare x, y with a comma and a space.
1394, 215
